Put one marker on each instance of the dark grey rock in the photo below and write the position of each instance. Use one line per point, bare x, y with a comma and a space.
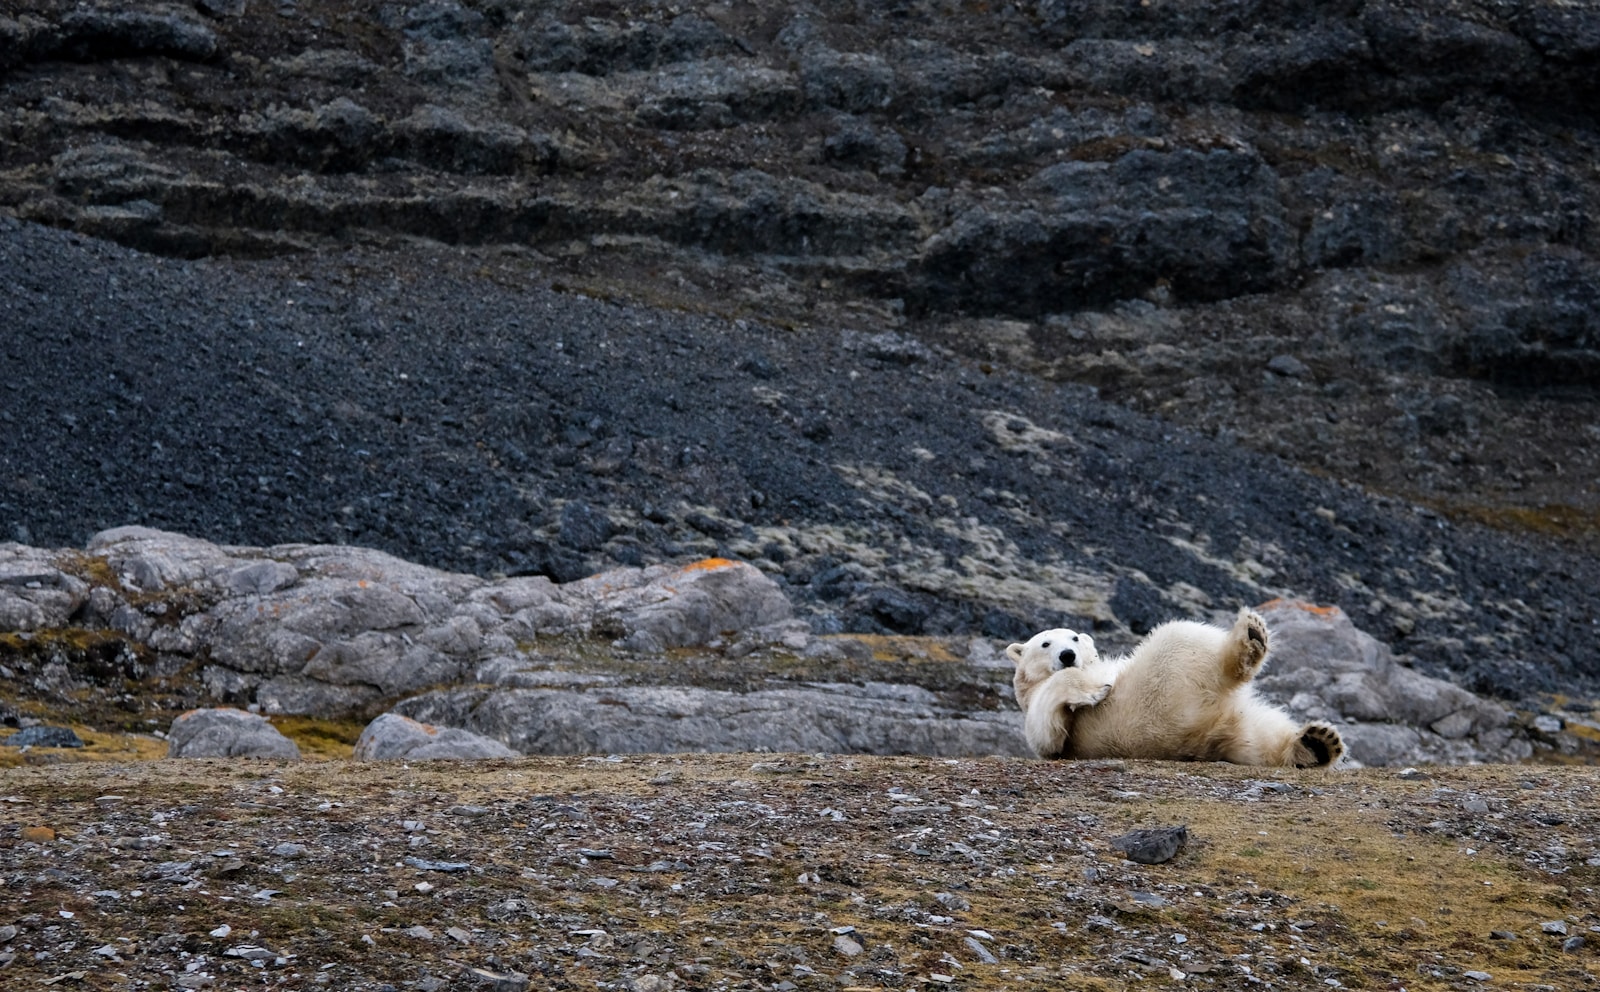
442, 138
862, 145
222, 8
1153, 845
1290, 366
43, 737
584, 528
848, 81
103, 33
1216, 213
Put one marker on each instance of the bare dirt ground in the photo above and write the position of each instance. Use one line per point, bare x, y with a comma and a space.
793, 871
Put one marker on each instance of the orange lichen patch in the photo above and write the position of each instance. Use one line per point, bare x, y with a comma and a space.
38, 835
1325, 612
709, 565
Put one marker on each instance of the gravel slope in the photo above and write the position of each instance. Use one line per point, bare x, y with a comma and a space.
455, 408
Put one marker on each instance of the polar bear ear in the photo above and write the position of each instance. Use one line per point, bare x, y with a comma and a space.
1014, 652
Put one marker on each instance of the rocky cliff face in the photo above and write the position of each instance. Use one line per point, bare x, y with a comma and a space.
948, 319
1391, 201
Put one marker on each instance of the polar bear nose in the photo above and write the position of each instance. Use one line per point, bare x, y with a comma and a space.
1068, 656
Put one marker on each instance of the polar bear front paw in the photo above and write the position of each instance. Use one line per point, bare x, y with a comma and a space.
1088, 695
1319, 745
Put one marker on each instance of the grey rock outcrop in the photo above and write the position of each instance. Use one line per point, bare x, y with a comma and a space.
705, 656
227, 733
392, 736
1323, 667
329, 630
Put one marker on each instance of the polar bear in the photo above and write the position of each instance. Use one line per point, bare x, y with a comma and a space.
1183, 693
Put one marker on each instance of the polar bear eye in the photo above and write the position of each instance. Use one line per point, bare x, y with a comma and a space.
1045, 644
1074, 638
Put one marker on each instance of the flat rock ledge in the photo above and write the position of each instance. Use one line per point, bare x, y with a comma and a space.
473, 667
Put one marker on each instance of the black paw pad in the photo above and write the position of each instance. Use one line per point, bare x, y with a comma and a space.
1323, 744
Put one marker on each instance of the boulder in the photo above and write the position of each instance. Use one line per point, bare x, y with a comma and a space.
667, 607
227, 733
34, 593
392, 736
1323, 667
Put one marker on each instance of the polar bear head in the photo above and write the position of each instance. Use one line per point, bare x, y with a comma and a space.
1052, 650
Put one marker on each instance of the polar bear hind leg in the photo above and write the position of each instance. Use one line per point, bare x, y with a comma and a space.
1264, 735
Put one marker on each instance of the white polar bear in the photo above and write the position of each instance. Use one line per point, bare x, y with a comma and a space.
1184, 693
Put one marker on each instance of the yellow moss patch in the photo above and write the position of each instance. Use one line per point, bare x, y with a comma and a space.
320, 740
73, 639
1554, 519
1587, 731
902, 648
92, 569
98, 747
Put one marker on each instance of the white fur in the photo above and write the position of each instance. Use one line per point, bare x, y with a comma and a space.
1184, 693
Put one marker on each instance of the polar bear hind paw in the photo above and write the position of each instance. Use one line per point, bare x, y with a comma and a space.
1250, 643
1319, 746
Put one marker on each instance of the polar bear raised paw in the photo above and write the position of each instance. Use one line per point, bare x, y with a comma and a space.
1250, 643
